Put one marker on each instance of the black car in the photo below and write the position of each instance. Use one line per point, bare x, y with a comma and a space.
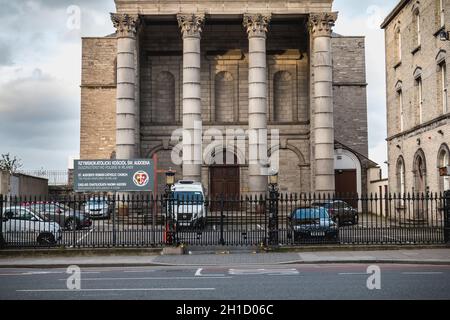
67, 218
311, 223
340, 211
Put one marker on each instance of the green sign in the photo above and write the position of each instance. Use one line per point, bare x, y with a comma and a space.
113, 175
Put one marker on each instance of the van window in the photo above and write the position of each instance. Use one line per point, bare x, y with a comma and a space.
189, 196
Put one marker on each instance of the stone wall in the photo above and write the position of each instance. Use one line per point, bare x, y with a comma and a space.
349, 90
98, 98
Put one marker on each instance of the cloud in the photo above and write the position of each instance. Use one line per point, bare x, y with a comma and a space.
39, 119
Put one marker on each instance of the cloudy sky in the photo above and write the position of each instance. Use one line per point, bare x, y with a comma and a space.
40, 63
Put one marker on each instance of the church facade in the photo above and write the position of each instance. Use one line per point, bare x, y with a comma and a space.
225, 92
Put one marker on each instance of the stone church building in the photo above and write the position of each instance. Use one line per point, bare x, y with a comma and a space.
230, 65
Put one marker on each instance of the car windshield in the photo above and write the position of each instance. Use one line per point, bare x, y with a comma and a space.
188, 196
310, 213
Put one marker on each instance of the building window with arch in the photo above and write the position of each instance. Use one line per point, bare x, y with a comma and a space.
400, 110
282, 96
443, 86
224, 97
164, 108
443, 161
398, 45
419, 96
401, 176
441, 12
416, 23
420, 172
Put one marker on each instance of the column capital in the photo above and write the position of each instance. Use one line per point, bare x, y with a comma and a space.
126, 24
191, 24
256, 23
321, 24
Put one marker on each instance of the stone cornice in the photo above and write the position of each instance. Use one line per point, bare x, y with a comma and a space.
429, 125
125, 24
321, 24
191, 24
256, 24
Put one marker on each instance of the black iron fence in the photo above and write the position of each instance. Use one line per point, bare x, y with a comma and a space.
276, 219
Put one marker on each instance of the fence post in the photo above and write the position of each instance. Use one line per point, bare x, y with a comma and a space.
115, 206
447, 216
222, 203
2, 240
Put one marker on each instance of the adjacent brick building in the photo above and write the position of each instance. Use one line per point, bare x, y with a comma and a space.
280, 57
418, 112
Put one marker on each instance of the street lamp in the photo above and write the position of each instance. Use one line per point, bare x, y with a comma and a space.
273, 207
444, 35
170, 229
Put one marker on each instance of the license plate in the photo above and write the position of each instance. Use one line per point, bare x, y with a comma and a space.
317, 234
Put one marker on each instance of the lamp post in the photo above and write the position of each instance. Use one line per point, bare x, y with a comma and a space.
170, 229
273, 207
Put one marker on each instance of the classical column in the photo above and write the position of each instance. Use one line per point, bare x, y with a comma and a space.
191, 28
126, 110
256, 25
323, 126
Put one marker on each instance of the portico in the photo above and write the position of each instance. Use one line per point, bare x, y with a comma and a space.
264, 83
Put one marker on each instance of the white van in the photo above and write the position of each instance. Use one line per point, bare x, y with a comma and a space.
187, 204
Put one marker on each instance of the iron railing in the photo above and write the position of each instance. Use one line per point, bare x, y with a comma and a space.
90, 221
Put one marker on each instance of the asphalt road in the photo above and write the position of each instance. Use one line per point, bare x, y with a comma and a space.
345, 281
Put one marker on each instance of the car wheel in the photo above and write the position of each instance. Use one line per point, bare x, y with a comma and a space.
46, 239
71, 225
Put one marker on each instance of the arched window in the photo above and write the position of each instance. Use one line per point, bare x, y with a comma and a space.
282, 96
420, 172
398, 44
164, 109
400, 172
417, 27
224, 97
443, 161
444, 86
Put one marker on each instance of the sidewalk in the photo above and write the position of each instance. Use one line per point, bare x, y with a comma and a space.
411, 256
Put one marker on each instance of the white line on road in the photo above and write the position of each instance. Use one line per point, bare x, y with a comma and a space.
151, 278
422, 272
199, 272
351, 273
85, 235
119, 289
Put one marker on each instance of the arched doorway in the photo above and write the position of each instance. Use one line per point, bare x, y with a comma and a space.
224, 175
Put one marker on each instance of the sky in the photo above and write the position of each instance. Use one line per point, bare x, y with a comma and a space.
40, 73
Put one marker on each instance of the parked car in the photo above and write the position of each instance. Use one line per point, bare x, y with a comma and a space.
66, 217
340, 211
311, 223
187, 205
21, 225
99, 207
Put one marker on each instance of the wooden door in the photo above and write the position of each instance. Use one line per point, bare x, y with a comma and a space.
224, 181
346, 186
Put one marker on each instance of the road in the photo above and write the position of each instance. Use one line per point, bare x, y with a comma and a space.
337, 281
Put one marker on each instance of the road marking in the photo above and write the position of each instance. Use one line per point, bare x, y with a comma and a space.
418, 272
351, 273
199, 272
152, 278
243, 272
85, 235
137, 271
118, 289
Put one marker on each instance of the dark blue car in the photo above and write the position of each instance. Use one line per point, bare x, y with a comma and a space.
311, 223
